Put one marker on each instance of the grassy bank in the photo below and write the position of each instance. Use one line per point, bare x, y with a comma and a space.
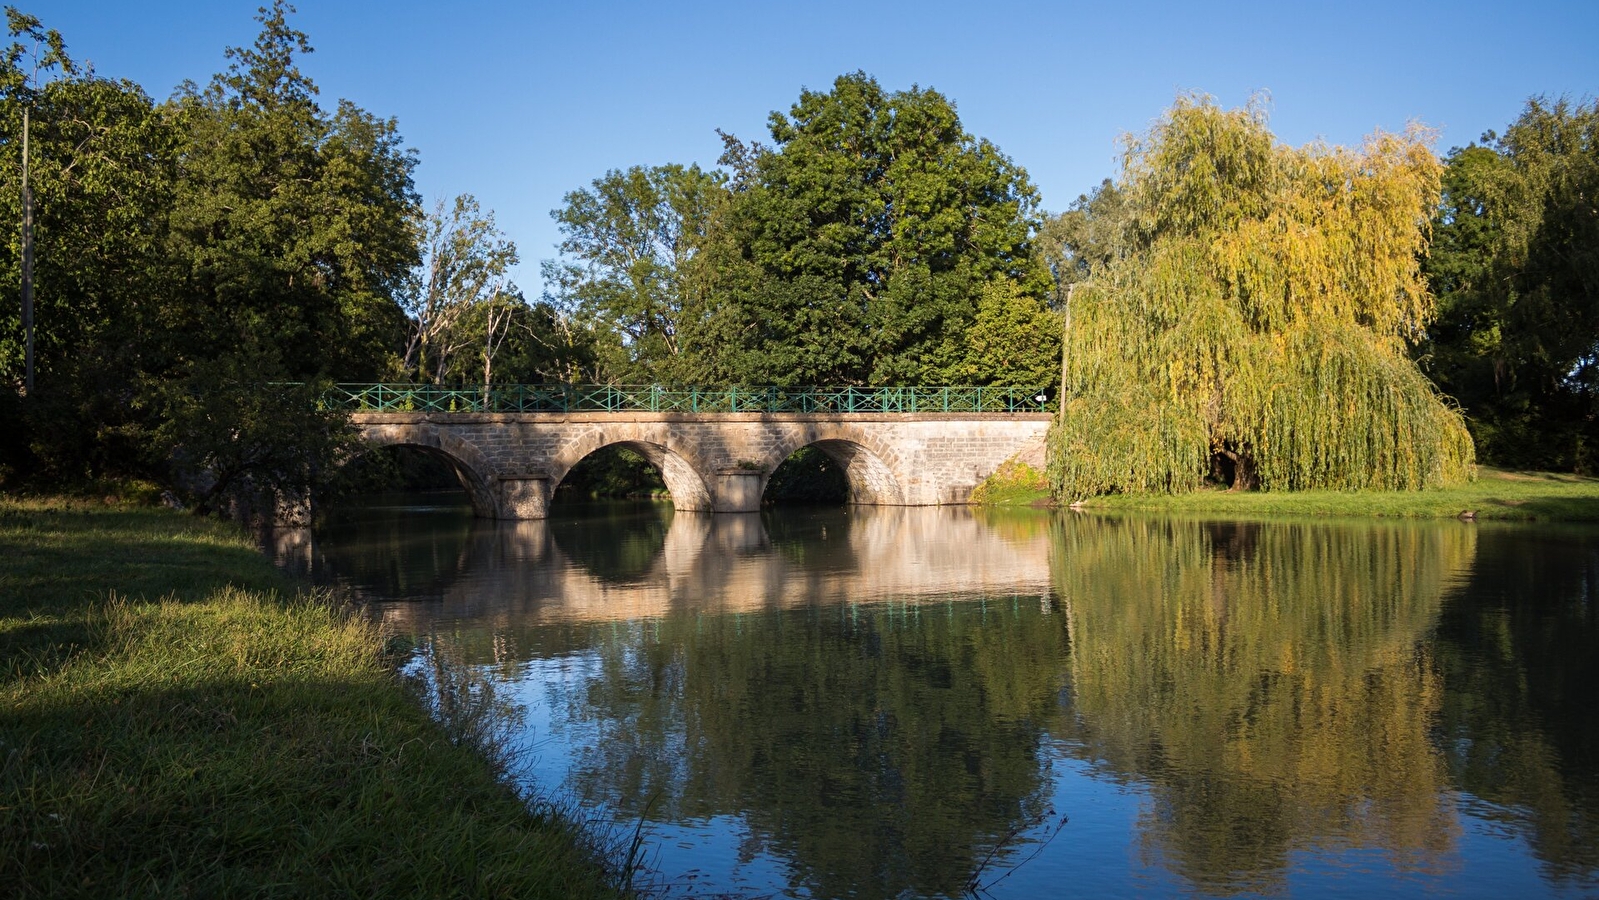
176, 720
1013, 484
1496, 494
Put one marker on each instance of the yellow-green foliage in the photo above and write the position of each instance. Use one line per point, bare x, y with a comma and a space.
1274, 677
1260, 307
1015, 483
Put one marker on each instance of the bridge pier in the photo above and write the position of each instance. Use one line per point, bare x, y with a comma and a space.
738, 490
523, 496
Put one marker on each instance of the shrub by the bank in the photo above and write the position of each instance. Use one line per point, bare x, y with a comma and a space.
1015, 483
174, 722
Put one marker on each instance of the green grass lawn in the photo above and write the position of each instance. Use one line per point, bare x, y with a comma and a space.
177, 720
1496, 494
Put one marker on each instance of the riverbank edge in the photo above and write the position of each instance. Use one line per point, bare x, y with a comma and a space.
1496, 494
178, 717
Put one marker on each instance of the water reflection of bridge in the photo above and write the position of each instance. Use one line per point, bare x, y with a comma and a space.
1277, 692
547, 570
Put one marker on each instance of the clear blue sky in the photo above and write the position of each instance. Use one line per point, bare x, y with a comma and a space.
519, 103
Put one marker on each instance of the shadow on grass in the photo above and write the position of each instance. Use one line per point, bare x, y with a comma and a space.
59, 564
232, 786
175, 721
1552, 509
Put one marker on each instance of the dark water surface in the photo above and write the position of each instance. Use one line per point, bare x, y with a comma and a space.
893, 702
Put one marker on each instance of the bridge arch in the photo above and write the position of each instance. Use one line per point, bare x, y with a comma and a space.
713, 461
677, 465
871, 467
471, 467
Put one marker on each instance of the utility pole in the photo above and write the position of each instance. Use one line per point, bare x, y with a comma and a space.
27, 260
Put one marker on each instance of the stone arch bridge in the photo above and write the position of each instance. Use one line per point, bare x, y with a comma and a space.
715, 449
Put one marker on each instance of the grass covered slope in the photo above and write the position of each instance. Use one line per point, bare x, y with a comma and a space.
174, 722
1015, 483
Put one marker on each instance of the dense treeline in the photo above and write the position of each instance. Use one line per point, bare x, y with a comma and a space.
1515, 267
207, 263
873, 242
1244, 309
191, 253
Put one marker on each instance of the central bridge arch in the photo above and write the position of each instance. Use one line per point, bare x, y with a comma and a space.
870, 467
680, 470
683, 481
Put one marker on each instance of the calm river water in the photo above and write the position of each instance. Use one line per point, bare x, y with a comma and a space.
893, 702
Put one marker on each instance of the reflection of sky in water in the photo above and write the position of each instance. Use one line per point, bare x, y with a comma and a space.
1116, 762
695, 856
1096, 854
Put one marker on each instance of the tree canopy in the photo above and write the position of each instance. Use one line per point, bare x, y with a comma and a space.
856, 248
1515, 266
1256, 320
234, 236
293, 226
631, 266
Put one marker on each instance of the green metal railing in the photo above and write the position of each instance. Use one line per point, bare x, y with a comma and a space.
514, 398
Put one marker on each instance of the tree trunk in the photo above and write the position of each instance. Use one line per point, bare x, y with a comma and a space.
1241, 462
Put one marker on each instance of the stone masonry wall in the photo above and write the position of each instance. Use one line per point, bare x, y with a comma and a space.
511, 463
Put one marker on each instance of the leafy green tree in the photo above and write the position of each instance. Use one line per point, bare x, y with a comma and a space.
1085, 238
856, 249
234, 435
1014, 340
236, 234
101, 174
292, 233
1515, 268
630, 266
293, 227
1258, 319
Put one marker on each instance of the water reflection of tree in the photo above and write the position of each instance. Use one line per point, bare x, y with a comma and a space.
879, 750
1519, 653
397, 552
1269, 682
616, 543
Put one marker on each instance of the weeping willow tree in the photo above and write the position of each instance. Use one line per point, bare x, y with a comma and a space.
1254, 323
